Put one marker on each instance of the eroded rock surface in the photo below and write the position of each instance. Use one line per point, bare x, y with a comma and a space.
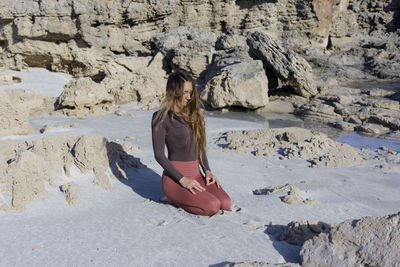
260, 264
28, 166
237, 82
13, 121
288, 66
296, 233
313, 146
71, 191
371, 241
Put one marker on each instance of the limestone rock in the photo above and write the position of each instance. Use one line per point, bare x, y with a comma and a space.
260, 264
316, 110
370, 241
292, 197
313, 146
72, 192
138, 12
237, 83
26, 167
7, 79
13, 121
296, 233
284, 63
187, 48
372, 128
141, 79
35, 104
83, 96
230, 40
83, 92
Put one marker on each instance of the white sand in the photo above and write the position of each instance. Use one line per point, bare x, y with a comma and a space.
127, 227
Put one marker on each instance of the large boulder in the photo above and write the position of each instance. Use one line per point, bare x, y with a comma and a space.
237, 82
187, 48
136, 79
285, 64
83, 94
369, 241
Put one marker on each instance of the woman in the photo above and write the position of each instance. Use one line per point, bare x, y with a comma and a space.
179, 125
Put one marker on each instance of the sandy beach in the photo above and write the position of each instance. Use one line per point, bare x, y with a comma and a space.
130, 226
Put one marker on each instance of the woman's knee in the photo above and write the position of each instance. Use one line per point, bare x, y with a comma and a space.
225, 203
213, 206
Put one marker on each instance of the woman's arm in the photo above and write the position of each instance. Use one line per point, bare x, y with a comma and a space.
204, 163
210, 178
158, 138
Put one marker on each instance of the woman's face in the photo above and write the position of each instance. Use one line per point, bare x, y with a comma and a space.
187, 93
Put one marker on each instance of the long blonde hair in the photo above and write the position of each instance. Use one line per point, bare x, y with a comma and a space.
190, 113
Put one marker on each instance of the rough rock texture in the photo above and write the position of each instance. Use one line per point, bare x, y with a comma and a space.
13, 121
288, 66
83, 96
260, 264
369, 241
187, 48
292, 197
27, 166
70, 31
313, 146
237, 83
7, 79
71, 191
343, 40
369, 111
126, 79
140, 79
296, 233
35, 104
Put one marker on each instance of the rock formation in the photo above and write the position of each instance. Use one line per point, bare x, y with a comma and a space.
238, 82
289, 67
28, 166
292, 197
13, 121
296, 233
342, 41
369, 241
313, 146
260, 264
7, 79
71, 191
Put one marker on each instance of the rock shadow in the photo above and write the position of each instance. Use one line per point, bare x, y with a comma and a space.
393, 25
290, 253
131, 172
222, 264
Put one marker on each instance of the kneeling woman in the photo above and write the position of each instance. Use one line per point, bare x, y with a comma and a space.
179, 125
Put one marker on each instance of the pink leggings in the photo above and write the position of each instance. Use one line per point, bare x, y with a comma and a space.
206, 203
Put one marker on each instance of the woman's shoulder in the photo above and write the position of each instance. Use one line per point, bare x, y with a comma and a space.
159, 117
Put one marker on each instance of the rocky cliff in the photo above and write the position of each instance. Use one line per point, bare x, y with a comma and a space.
77, 36
124, 49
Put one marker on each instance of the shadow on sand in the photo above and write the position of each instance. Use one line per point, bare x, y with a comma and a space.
131, 172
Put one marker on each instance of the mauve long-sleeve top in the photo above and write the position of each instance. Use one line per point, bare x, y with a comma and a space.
178, 136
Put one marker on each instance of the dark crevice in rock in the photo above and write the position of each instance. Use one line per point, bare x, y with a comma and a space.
99, 76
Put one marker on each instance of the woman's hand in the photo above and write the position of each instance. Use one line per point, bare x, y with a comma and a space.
211, 179
191, 184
